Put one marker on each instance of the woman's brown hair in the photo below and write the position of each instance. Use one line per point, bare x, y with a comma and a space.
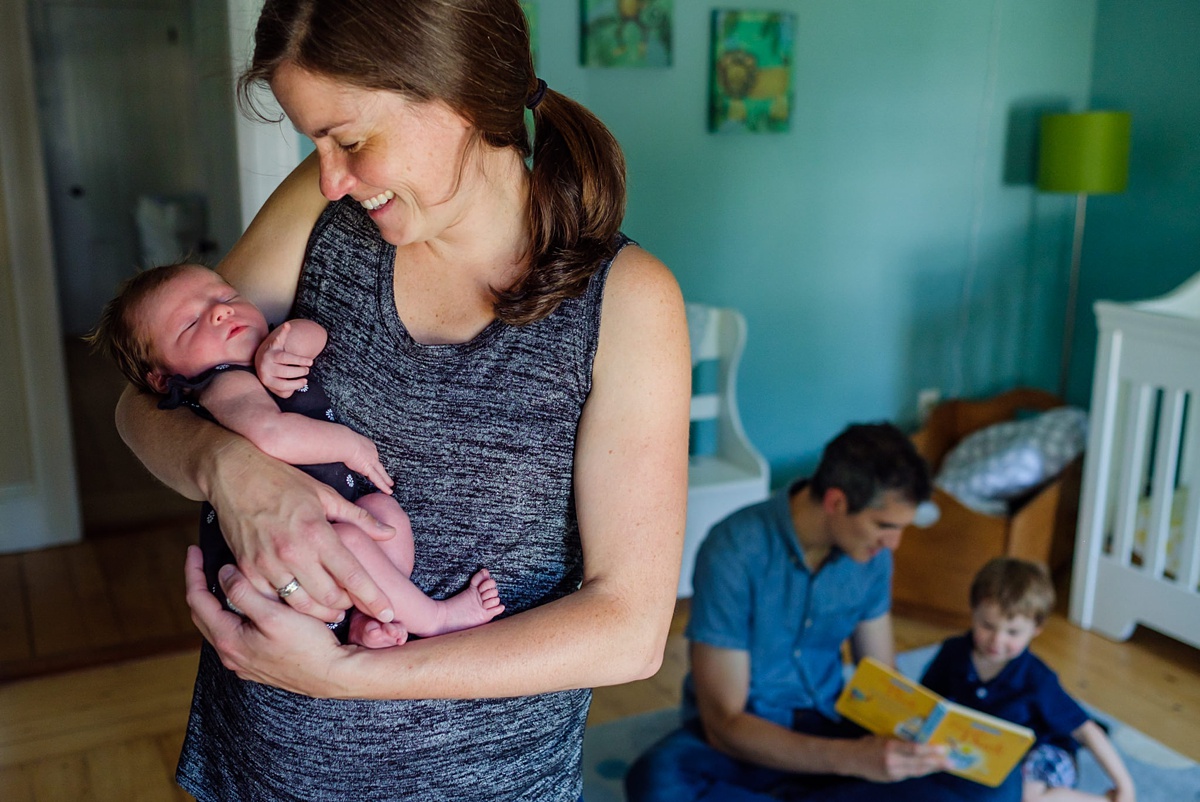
474, 56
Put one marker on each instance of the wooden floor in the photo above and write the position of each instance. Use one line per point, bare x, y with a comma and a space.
112, 731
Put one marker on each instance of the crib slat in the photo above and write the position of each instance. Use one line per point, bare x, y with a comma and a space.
1162, 491
1128, 489
1188, 569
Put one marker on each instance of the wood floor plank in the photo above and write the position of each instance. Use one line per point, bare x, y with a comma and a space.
16, 637
61, 777
168, 545
170, 744
16, 784
52, 601
97, 618
70, 713
130, 770
137, 587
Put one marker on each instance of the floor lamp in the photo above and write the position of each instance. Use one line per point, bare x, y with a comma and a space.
1085, 154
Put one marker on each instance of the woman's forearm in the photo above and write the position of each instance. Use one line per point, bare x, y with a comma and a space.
588, 639
174, 445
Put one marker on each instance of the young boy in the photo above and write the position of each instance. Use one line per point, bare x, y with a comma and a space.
991, 669
182, 331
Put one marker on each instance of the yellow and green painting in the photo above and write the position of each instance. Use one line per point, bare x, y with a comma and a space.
626, 33
751, 81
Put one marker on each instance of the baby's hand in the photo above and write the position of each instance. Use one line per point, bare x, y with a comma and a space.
281, 371
1122, 795
365, 460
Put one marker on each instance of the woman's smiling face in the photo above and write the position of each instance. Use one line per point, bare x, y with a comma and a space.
403, 160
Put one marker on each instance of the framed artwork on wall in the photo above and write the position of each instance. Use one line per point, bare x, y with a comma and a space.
751, 82
625, 33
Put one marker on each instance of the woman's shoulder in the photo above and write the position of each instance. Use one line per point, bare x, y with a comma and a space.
639, 283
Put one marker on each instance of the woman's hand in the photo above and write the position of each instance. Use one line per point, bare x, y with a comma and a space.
276, 521
274, 644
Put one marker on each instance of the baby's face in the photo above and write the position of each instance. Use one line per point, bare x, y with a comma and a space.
196, 321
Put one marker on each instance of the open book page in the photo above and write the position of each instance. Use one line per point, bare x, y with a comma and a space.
981, 747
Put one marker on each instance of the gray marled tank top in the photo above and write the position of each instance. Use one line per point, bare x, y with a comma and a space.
480, 439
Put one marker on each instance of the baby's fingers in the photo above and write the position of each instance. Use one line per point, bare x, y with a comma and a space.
379, 477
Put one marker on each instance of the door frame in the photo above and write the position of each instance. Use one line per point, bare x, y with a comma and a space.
41, 507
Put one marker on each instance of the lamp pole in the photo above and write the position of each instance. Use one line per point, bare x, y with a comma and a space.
1072, 293
1083, 153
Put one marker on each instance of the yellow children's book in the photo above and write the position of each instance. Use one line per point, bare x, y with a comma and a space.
982, 748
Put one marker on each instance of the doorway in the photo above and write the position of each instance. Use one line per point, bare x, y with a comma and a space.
135, 106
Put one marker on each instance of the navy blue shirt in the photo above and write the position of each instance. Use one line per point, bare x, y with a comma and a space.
1026, 692
754, 593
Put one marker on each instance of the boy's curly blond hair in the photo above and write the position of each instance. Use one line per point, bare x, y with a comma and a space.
118, 336
1018, 587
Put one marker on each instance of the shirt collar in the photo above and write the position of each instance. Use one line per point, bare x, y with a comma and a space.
787, 528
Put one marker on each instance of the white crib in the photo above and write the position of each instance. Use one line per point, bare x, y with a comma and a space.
1137, 553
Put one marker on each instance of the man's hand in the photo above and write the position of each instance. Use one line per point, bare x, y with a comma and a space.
281, 371
889, 760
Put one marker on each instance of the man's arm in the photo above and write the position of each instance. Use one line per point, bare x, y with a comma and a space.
874, 639
722, 683
240, 402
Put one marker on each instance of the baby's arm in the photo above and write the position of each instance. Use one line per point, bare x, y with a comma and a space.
1091, 735
286, 354
238, 400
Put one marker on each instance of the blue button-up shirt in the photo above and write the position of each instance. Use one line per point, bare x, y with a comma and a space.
754, 593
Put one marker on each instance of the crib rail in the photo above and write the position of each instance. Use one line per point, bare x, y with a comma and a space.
1138, 544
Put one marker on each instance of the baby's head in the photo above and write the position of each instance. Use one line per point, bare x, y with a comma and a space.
180, 318
1010, 600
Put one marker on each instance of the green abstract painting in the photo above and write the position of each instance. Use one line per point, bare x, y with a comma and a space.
625, 33
751, 84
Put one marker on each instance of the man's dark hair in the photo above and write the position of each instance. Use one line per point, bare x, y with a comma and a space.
869, 459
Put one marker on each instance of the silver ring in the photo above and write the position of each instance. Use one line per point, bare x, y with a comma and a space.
288, 589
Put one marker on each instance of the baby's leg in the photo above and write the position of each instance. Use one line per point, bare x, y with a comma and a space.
399, 548
389, 563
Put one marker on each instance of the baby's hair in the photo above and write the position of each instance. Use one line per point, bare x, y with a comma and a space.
117, 334
1018, 587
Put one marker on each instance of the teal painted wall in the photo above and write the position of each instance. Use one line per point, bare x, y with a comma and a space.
891, 241
1146, 241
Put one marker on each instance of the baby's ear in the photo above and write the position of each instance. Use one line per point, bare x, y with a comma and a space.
157, 380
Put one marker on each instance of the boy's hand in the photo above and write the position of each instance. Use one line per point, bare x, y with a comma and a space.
365, 460
280, 370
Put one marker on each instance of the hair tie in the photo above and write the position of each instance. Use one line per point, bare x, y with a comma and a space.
537, 95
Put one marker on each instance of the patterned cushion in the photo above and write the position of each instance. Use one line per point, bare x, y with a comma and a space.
993, 466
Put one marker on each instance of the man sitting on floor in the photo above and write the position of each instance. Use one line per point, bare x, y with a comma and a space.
779, 587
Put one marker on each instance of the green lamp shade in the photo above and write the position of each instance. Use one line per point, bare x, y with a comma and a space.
1087, 152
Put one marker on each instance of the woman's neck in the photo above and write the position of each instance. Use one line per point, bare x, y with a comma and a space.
488, 239
445, 286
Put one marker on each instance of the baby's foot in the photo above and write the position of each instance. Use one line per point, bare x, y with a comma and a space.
477, 604
374, 634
